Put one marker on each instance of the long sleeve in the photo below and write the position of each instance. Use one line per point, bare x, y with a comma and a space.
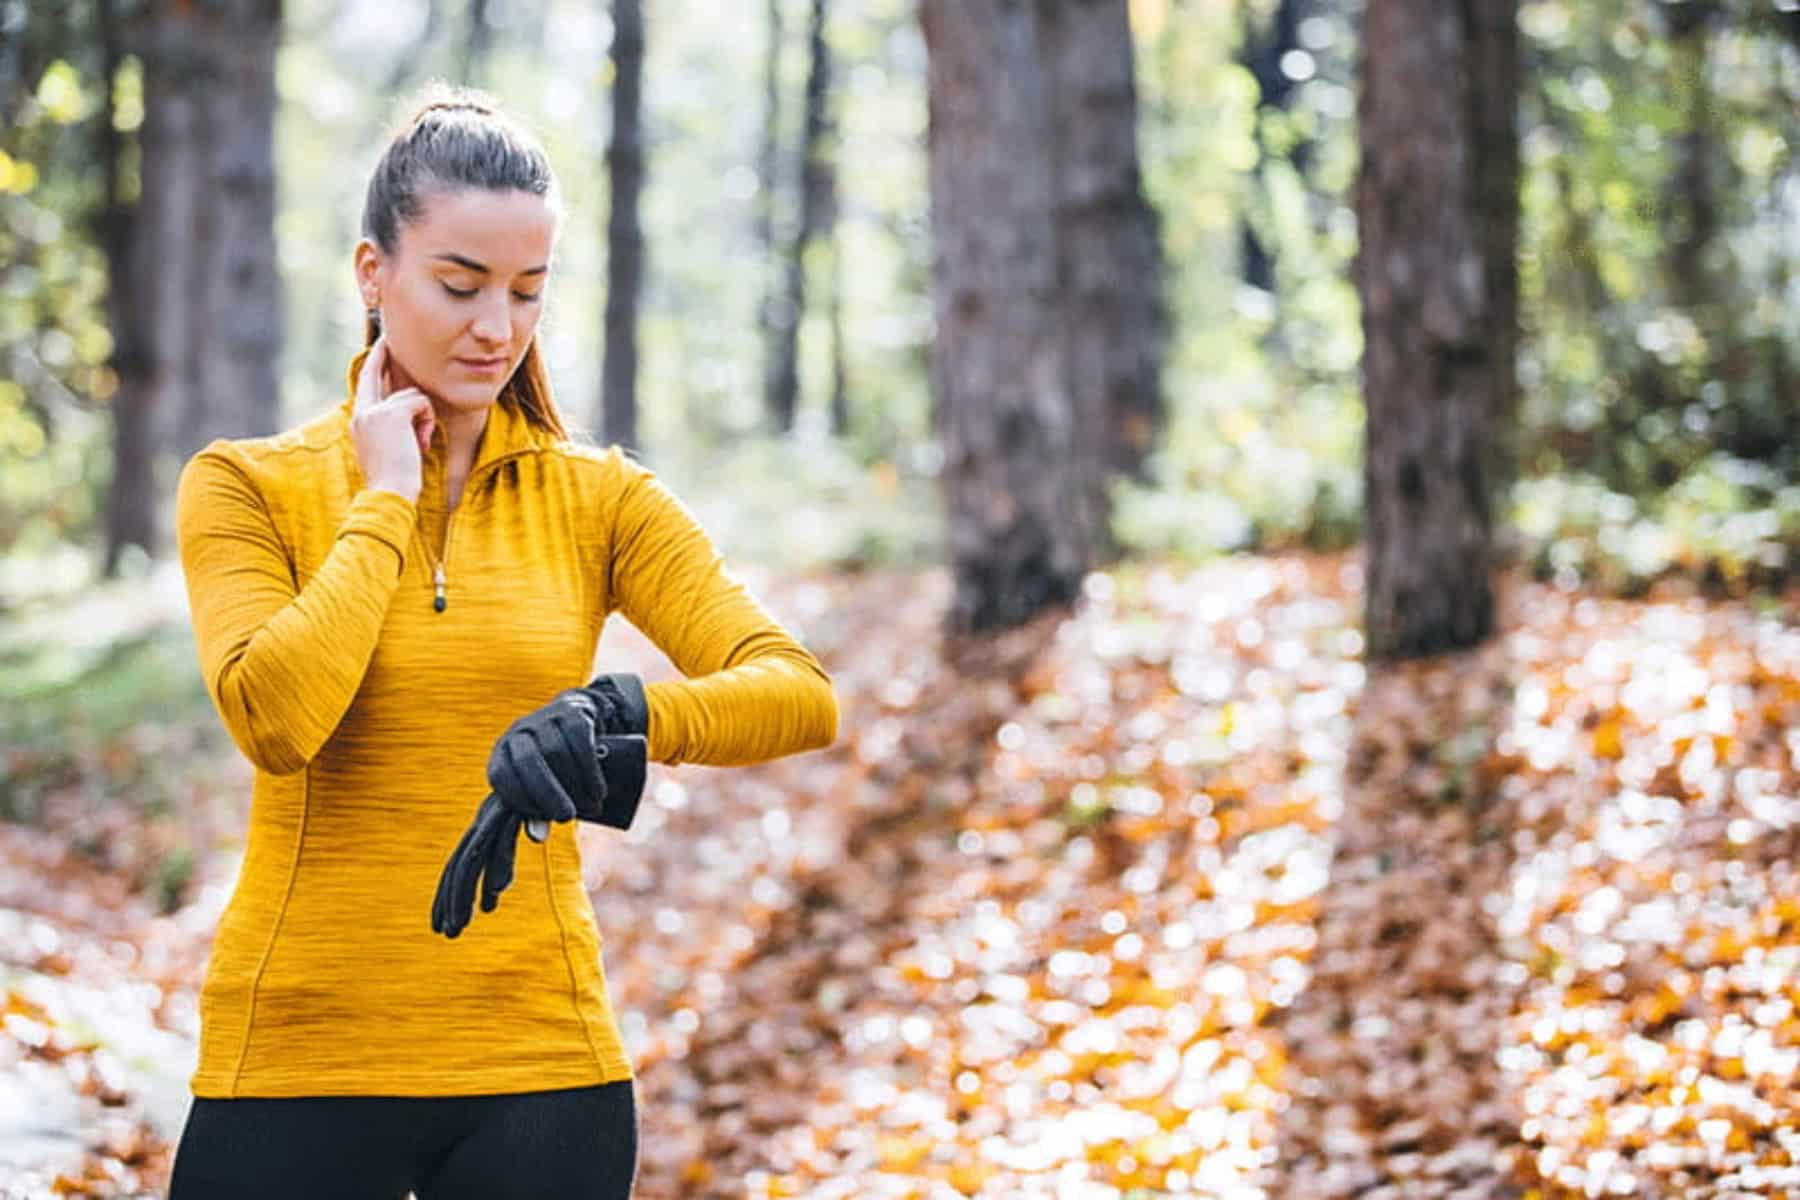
753, 693
281, 665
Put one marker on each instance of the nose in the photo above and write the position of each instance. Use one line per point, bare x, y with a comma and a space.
492, 323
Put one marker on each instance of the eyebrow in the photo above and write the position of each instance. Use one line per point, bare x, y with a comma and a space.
482, 269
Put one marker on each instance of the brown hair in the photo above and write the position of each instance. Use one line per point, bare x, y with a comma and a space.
457, 138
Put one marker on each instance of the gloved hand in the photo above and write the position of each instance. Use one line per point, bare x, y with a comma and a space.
583, 755
485, 852
542, 766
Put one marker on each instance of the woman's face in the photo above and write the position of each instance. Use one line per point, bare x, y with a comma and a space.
465, 285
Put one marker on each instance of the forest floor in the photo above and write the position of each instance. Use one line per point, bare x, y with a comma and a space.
1167, 897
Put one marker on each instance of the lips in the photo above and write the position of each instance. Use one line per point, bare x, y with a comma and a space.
482, 364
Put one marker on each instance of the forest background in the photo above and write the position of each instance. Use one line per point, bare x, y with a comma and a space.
1646, 528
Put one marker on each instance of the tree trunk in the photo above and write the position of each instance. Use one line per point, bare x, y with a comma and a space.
1111, 256
1020, 526
769, 316
239, 348
1494, 107
840, 383
624, 233
207, 254
824, 175
24, 53
1691, 191
131, 495
1261, 53
815, 197
1436, 198
162, 291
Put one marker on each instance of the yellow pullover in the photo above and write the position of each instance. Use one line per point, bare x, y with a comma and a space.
369, 714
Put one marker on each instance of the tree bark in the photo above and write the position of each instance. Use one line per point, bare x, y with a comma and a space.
161, 286
43, 33
815, 202
1109, 245
840, 382
131, 495
1261, 54
769, 316
238, 351
1436, 199
624, 232
1691, 191
203, 253
1020, 524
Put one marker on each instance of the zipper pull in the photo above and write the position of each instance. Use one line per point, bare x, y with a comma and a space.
440, 603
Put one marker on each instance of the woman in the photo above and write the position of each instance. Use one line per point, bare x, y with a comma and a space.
395, 604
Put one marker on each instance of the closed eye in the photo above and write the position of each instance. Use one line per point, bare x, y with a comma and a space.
465, 293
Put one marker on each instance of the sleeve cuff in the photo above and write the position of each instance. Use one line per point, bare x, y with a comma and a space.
386, 516
625, 692
624, 768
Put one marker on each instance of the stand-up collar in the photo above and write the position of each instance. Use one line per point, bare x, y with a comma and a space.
508, 432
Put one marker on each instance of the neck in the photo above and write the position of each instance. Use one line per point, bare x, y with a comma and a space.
457, 434
462, 434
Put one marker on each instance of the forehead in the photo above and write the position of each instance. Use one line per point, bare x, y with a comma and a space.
506, 230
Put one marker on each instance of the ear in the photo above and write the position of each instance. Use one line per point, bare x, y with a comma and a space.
368, 266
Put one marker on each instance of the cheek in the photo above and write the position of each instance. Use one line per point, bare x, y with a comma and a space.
430, 310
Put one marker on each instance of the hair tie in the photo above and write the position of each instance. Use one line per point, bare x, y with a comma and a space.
457, 106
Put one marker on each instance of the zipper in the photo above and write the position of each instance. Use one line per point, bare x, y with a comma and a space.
440, 567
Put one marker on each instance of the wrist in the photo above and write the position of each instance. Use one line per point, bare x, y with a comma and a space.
624, 707
623, 761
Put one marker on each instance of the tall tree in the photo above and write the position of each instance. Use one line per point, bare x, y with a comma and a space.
197, 308
32, 37
1264, 53
624, 230
1109, 249
768, 191
816, 199
1692, 187
1015, 468
162, 283
840, 382
237, 352
131, 497
1437, 210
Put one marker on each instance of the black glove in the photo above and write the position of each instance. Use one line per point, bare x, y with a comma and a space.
540, 766
583, 755
486, 851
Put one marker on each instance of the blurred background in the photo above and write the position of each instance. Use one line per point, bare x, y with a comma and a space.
1095, 387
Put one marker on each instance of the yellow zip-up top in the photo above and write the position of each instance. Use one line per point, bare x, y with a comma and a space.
369, 715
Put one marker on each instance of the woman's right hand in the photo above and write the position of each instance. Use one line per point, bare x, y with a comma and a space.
391, 432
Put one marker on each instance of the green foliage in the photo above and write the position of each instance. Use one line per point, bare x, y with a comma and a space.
1732, 522
794, 503
1638, 371
1671, 391
93, 696
54, 336
1263, 447
1657, 326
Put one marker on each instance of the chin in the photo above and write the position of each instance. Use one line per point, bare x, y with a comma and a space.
472, 393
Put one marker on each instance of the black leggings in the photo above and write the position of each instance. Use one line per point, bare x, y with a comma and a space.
579, 1143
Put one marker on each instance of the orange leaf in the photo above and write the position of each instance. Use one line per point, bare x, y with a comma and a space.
1608, 740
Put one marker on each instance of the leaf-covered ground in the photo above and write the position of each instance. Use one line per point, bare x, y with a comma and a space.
1171, 897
